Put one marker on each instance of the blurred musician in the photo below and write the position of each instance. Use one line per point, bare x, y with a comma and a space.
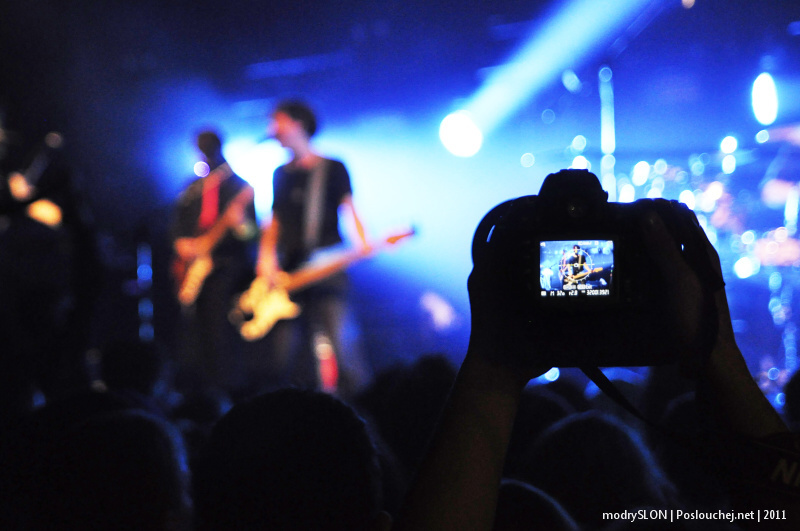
49, 275
214, 240
578, 269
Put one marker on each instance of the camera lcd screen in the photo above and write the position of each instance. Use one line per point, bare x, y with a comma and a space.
576, 268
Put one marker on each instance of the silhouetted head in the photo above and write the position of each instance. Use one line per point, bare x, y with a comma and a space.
521, 507
210, 145
594, 463
118, 470
405, 404
300, 112
288, 459
133, 365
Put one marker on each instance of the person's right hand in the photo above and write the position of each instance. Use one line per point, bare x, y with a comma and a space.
267, 269
187, 248
694, 309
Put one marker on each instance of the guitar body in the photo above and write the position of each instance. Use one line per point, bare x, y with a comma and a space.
574, 279
260, 307
194, 276
190, 275
177, 270
265, 306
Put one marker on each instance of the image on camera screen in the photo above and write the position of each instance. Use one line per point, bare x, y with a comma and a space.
576, 268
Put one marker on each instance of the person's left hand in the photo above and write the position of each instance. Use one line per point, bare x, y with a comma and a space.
19, 187
493, 338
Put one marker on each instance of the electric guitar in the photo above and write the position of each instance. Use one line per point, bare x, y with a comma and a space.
190, 275
261, 306
573, 279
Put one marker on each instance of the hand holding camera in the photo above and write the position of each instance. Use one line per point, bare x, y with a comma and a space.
657, 298
568, 279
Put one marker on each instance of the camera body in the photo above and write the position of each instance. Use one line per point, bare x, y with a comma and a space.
574, 280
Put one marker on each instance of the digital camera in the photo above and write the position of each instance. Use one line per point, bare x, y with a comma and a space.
576, 283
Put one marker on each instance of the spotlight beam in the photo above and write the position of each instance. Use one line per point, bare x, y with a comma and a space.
582, 27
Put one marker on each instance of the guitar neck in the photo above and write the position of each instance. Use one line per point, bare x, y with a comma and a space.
314, 273
317, 272
220, 227
215, 234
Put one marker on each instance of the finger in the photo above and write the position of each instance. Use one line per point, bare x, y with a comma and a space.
684, 292
281, 279
663, 248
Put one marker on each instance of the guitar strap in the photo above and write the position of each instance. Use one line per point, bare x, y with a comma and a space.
315, 202
210, 206
209, 209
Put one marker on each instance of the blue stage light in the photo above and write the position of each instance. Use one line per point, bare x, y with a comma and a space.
627, 194
728, 145
581, 163
571, 81
460, 135
728, 164
566, 39
579, 143
641, 172
527, 160
687, 198
765, 99
746, 267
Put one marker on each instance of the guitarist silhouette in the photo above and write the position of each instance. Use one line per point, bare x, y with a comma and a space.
214, 243
309, 192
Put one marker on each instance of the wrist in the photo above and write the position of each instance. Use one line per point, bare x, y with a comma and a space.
735, 399
266, 268
480, 374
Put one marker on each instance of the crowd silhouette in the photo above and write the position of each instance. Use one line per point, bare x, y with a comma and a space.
426, 445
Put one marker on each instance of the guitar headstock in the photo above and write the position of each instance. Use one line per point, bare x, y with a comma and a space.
391, 240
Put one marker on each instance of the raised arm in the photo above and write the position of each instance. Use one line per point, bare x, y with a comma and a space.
456, 487
754, 449
723, 377
267, 265
457, 484
349, 207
